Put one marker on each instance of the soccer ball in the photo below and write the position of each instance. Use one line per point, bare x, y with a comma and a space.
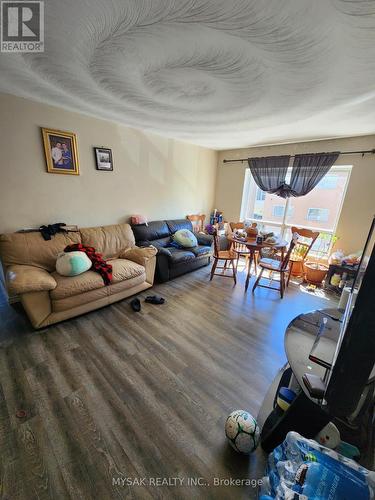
242, 431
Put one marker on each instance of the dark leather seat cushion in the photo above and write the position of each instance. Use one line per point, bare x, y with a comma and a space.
178, 255
161, 242
155, 230
176, 225
201, 250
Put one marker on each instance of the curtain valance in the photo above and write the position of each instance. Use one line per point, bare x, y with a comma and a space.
308, 170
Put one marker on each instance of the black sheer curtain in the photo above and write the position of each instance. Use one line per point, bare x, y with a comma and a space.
308, 170
269, 172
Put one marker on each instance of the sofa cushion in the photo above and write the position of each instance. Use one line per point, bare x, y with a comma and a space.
161, 242
31, 249
185, 238
176, 225
108, 240
124, 269
200, 250
94, 295
67, 286
178, 255
153, 231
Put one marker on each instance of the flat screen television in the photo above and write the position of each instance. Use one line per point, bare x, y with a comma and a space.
354, 359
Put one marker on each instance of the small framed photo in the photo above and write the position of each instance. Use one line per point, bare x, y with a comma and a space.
61, 151
104, 160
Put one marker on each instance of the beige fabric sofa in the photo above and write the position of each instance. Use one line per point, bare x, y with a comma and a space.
47, 297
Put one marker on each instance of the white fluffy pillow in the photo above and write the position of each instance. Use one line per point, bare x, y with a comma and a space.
72, 263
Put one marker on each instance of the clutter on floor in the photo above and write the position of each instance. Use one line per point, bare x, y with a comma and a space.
154, 299
242, 431
302, 469
135, 304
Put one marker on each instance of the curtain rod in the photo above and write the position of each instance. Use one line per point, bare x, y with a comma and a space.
368, 151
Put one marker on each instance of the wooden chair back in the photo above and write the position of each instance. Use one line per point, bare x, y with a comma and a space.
301, 249
286, 259
197, 221
216, 243
236, 225
236, 245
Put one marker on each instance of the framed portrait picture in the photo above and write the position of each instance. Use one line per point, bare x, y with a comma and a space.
104, 160
61, 151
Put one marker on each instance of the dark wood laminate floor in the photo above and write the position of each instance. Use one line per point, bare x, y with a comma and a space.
116, 394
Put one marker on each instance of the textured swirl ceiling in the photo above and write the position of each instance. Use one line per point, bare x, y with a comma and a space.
220, 73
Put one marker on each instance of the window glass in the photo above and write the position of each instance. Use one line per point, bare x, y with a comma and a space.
278, 210
258, 205
330, 181
319, 209
260, 195
318, 214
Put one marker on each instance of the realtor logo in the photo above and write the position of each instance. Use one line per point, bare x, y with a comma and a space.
22, 26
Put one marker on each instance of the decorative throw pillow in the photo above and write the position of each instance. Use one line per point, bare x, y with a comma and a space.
185, 238
138, 219
72, 263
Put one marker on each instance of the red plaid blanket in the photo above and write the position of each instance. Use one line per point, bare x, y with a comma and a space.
98, 263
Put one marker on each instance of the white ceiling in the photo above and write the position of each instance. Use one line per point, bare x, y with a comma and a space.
219, 73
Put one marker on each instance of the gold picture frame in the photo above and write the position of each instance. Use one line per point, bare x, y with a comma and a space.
61, 151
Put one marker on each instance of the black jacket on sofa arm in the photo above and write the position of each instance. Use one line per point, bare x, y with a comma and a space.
171, 261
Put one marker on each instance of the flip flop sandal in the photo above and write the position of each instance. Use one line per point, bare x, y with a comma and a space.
135, 304
154, 299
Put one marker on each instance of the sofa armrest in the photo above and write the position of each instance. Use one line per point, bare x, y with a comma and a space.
24, 279
145, 256
139, 255
164, 251
204, 239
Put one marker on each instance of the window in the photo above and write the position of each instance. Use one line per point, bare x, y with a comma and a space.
261, 195
317, 210
328, 182
278, 211
318, 214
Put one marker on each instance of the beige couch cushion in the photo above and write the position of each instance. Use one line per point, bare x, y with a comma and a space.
32, 250
68, 286
109, 240
123, 269
98, 294
24, 279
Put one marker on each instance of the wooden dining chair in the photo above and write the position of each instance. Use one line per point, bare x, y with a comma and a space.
301, 249
280, 267
240, 249
228, 257
197, 222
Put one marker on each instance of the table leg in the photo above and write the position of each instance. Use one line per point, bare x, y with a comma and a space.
251, 257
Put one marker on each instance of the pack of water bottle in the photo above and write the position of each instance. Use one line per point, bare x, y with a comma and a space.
302, 469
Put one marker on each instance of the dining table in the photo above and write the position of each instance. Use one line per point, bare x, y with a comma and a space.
254, 245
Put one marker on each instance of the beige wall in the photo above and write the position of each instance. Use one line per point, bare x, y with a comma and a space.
154, 176
359, 203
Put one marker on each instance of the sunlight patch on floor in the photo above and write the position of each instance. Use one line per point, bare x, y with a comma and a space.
317, 292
